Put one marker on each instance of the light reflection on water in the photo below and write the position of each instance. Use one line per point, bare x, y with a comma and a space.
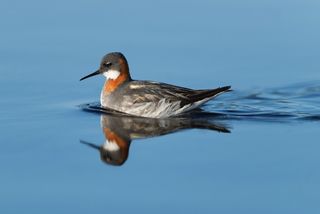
119, 131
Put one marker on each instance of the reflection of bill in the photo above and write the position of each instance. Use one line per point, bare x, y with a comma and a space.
120, 130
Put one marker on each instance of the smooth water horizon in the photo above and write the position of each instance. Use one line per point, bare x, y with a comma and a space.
252, 150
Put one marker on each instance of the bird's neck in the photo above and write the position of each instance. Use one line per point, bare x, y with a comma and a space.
121, 143
111, 84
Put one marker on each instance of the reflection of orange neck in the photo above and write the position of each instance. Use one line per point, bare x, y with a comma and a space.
111, 136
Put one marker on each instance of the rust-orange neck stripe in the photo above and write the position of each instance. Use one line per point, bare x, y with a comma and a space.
111, 84
111, 136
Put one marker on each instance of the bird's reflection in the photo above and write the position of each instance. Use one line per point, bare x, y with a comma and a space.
119, 131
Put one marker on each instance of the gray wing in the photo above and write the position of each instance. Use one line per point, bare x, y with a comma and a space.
145, 91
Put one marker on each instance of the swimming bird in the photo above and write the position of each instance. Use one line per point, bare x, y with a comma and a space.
146, 98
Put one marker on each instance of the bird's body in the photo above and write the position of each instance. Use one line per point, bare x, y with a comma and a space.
146, 98
155, 100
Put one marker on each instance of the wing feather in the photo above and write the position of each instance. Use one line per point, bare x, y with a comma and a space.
145, 91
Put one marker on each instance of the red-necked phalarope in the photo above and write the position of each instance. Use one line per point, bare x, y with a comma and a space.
146, 98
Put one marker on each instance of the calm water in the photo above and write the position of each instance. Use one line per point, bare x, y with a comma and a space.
254, 150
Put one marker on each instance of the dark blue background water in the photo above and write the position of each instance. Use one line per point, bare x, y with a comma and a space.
267, 50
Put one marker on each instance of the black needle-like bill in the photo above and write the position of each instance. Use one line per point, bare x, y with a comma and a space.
90, 75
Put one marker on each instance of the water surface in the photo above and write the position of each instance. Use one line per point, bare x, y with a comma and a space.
254, 150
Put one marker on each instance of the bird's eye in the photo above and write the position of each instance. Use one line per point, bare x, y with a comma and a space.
107, 64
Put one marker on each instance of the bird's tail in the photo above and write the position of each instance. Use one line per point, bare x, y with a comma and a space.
206, 95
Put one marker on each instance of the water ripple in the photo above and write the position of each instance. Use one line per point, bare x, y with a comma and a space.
283, 104
294, 102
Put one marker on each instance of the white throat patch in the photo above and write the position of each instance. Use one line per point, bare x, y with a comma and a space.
111, 74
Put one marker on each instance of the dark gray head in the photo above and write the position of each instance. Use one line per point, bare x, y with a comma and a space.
112, 66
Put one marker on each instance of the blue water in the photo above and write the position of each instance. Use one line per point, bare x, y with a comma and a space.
267, 163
